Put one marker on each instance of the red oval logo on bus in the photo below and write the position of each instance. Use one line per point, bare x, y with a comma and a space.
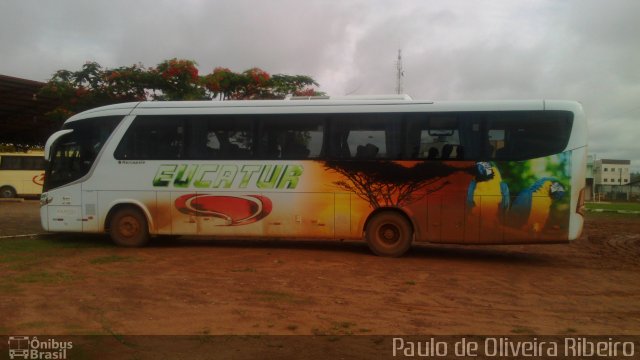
38, 179
236, 210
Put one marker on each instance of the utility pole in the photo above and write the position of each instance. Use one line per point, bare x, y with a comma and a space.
399, 74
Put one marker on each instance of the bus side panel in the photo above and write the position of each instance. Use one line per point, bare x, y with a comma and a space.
492, 215
65, 211
418, 215
300, 215
90, 216
233, 213
163, 213
360, 211
342, 217
183, 222
434, 217
453, 217
32, 182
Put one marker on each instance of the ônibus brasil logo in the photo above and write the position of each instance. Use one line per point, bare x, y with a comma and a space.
26, 347
234, 210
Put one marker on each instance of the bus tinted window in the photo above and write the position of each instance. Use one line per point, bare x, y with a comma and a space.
8, 162
153, 138
291, 137
74, 154
220, 137
526, 135
366, 136
435, 137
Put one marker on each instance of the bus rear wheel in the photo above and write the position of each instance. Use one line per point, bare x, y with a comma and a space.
389, 234
7, 192
129, 228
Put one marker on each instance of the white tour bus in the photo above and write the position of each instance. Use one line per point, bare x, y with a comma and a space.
389, 170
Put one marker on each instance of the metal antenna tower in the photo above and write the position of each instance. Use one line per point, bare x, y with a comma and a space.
399, 74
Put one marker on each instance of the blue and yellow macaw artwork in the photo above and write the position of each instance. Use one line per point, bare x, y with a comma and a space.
487, 194
531, 208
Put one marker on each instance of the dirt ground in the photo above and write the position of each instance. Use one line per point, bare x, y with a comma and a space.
79, 284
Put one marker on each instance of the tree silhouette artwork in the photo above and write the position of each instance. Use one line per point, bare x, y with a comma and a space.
388, 183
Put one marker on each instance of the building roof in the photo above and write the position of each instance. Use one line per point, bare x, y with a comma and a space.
22, 110
616, 162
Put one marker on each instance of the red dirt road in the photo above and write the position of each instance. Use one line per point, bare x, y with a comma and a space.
77, 284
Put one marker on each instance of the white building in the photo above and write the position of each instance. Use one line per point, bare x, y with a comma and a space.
609, 177
612, 172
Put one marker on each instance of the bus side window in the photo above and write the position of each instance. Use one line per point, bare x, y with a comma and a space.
222, 137
298, 136
521, 135
153, 138
366, 136
435, 137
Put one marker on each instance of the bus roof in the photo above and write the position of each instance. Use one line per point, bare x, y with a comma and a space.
379, 103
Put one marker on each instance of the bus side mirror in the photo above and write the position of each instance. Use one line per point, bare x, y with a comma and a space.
51, 140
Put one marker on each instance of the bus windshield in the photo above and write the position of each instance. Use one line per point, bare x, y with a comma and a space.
73, 154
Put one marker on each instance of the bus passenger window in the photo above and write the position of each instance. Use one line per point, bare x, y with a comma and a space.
521, 135
366, 136
212, 141
220, 137
367, 144
153, 138
435, 138
292, 137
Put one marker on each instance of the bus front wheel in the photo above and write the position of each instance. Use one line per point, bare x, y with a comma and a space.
7, 192
389, 234
129, 227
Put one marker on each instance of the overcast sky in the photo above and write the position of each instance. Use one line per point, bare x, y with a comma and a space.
584, 50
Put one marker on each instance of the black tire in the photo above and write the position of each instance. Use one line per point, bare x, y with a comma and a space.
389, 234
129, 228
7, 192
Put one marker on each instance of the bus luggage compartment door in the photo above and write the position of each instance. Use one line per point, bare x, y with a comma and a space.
446, 218
300, 215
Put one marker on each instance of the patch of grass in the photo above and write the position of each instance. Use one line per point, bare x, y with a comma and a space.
8, 288
9, 258
108, 259
27, 263
614, 206
278, 296
45, 244
44, 277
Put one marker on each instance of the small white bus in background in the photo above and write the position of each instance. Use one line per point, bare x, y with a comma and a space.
388, 170
21, 173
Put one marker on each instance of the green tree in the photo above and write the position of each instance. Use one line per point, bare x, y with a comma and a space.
174, 79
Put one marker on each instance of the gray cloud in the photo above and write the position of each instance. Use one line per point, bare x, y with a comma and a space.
453, 50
